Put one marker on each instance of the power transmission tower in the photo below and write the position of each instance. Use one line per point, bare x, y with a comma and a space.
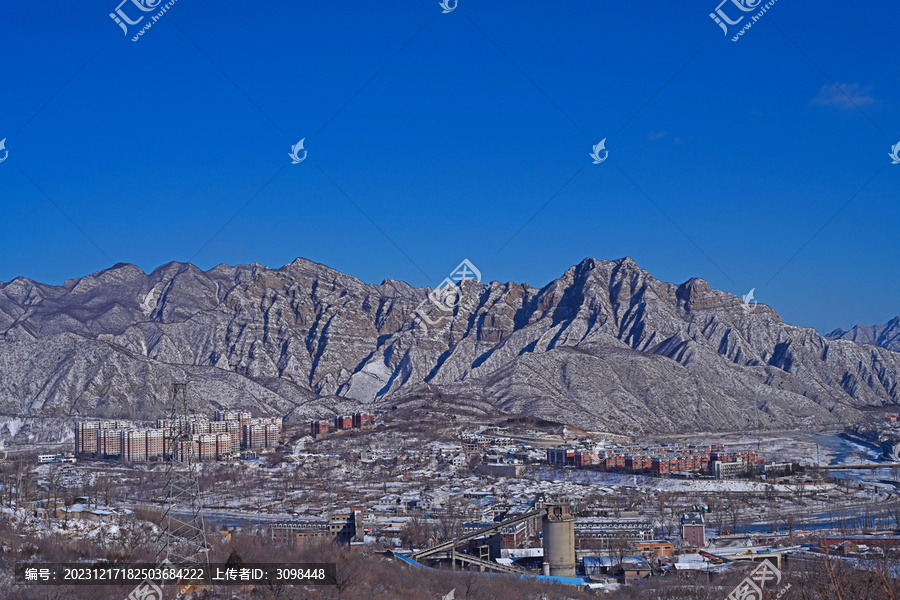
182, 538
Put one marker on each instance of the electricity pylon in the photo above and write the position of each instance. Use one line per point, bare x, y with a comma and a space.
182, 538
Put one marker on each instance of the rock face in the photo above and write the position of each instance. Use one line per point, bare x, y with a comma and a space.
886, 336
605, 347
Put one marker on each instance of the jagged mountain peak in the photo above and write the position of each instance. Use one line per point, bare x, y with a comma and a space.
885, 336
606, 345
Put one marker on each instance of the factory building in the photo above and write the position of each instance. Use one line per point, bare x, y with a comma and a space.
299, 531
589, 531
342, 529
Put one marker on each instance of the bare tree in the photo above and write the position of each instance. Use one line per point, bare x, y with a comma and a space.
450, 519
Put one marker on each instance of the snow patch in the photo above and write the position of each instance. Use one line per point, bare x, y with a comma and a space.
149, 302
14, 425
364, 385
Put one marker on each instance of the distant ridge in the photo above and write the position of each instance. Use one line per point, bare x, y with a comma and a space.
886, 336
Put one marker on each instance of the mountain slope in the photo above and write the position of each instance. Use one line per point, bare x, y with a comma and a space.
886, 336
605, 346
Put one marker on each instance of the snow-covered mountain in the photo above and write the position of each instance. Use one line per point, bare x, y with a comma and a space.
886, 336
606, 347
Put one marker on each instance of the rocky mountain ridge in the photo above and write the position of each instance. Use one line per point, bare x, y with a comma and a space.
886, 336
604, 347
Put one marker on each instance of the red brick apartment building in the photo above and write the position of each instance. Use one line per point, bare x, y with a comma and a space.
206, 443
318, 428
746, 457
363, 420
637, 462
341, 423
660, 460
612, 461
586, 459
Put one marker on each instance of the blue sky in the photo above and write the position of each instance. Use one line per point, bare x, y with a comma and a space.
434, 137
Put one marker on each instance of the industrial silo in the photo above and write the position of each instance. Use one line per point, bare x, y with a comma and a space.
559, 542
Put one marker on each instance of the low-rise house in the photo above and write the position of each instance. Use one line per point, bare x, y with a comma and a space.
86, 512
656, 548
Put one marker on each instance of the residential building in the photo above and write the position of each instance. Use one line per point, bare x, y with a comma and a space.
134, 445
232, 415
86, 437
693, 530
729, 470
109, 443
317, 428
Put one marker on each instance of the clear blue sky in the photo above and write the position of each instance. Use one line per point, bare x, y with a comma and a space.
451, 131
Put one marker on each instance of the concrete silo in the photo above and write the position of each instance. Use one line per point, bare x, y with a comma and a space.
559, 542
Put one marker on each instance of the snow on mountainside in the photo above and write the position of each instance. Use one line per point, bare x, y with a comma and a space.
886, 336
606, 346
